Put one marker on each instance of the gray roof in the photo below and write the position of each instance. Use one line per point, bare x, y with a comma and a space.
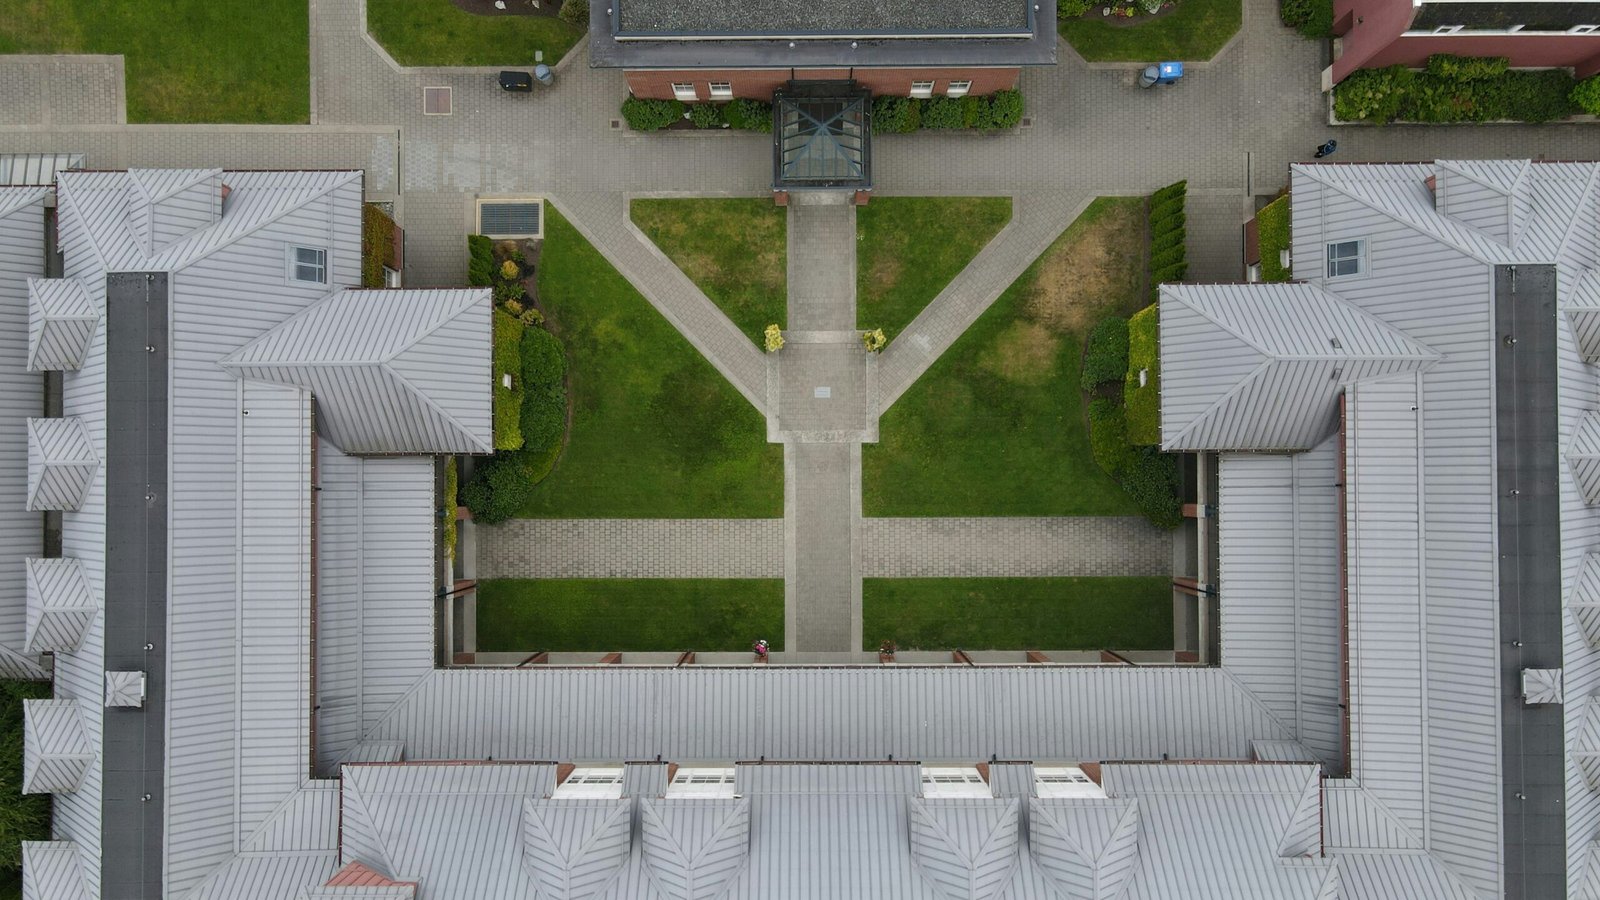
965, 849
62, 462
693, 849
53, 870
61, 322
836, 18
37, 169
1583, 455
61, 605
55, 753
392, 371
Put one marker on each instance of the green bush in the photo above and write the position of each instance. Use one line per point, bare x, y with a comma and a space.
502, 484
976, 112
575, 13
1006, 108
1450, 67
1472, 92
1107, 357
650, 115
896, 115
1143, 404
544, 360
1312, 18
705, 115
1072, 9
749, 115
1585, 95
1175, 191
22, 817
1168, 238
377, 245
480, 260
1151, 478
942, 112
1108, 435
508, 333
1272, 235
497, 489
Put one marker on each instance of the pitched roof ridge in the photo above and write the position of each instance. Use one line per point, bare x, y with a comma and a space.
1222, 398
15, 197
182, 261
1416, 224
430, 402
472, 296
351, 797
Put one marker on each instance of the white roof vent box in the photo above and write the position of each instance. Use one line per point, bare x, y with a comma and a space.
954, 781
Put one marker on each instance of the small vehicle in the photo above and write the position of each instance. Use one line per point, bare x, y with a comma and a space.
516, 82
1161, 73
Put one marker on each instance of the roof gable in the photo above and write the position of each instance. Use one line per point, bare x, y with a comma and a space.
167, 205
61, 464
56, 752
694, 849
574, 849
61, 605
1089, 849
61, 323
965, 849
53, 870
1583, 457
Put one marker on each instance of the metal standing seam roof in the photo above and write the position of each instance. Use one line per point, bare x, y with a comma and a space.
1583, 312
61, 605
392, 371
1583, 455
61, 322
56, 754
965, 849
36, 169
1261, 366
693, 849
770, 18
1086, 848
167, 205
53, 870
62, 461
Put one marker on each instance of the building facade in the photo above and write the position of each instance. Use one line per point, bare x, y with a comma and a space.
1376, 33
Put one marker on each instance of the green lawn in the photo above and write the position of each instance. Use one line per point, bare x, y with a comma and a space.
436, 33
734, 249
656, 431
639, 614
22, 818
1272, 234
997, 426
908, 249
187, 60
1017, 613
1195, 30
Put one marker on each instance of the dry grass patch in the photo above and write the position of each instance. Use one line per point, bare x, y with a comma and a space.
1026, 352
1079, 275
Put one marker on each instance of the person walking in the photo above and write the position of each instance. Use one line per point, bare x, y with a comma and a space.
1327, 149
761, 650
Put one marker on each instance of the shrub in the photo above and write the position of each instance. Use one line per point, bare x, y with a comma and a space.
1143, 404
508, 333
508, 292
544, 360
942, 112
1072, 9
896, 115
1450, 67
705, 115
480, 260
1272, 235
377, 245
1006, 108
575, 13
498, 488
650, 115
1108, 435
448, 506
772, 338
874, 340
1176, 190
1151, 478
1585, 95
1107, 357
749, 115
1167, 238
1312, 18
1372, 95
976, 113
544, 416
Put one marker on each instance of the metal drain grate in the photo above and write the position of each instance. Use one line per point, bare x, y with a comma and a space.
511, 218
1027, 122
616, 124
436, 101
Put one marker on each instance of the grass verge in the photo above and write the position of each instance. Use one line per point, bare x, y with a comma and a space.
734, 249
997, 426
230, 61
1195, 30
437, 33
1272, 236
1017, 613
655, 430
908, 249
623, 614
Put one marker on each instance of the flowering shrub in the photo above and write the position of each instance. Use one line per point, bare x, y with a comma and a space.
773, 338
874, 340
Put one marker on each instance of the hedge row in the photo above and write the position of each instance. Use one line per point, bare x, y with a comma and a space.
1312, 18
377, 245
480, 260
1461, 89
1272, 236
501, 485
452, 488
1107, 357
1149, 476
507, 406
1143, 403
654, 115
1168, 235
902, 115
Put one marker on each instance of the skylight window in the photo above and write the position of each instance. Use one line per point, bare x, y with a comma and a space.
701, 783
592, 783
953, 781
1064, 781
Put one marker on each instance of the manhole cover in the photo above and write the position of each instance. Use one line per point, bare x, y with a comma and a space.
1027, 122
436, 101
823, 393
616, 124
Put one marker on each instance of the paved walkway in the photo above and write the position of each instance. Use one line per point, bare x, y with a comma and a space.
46, 91
822, 547
1013, 547
631, 548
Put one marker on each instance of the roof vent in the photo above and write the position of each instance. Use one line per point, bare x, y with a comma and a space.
124, 690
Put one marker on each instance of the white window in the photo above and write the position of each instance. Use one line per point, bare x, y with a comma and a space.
722, 90
684, 92
1346, 258
701, 783
958, 89
1446, 29
1583, 29
922, 89
1064, 781
308, 264
602, 783
953, 781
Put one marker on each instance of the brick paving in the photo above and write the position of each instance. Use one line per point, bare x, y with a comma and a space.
631, 548
62, 90
1013, 547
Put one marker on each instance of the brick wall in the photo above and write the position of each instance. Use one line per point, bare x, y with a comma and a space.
760, 83
1373, 35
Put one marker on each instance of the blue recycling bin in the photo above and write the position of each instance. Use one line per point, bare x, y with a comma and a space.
1169, 72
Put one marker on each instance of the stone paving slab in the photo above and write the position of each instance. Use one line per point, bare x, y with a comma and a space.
62, 90
822, 552
1215, 228
822, 263
1014, 547
631, 548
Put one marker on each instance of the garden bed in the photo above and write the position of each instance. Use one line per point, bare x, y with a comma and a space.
909, 248
626, 614
1017, 613
440, 33
1191, 30
1272, 238
1457, 89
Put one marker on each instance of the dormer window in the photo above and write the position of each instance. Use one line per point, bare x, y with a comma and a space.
1346, 258
701, 783
308, 264
1064, 781
590, 783
953, 781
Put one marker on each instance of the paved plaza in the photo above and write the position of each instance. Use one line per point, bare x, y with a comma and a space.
1230, 128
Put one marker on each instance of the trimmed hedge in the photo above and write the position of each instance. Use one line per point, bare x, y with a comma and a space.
1312, 18
22, 817
508, 333
1272, 235
654, 115
650, 115
1143, 404
1167, 236
501, 485
480, 260
447, 503
749, 115
574, 13
902, 115
706, 115
1107, 357
1149, 476
1585, 95
1456, 89
377, 245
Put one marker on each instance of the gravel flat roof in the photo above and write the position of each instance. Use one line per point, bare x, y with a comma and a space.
789, 18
